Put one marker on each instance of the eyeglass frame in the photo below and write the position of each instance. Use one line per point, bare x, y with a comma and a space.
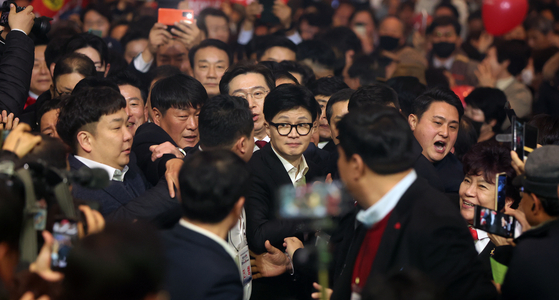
252, 94
311, 125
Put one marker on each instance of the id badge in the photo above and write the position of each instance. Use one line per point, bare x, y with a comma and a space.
244, 265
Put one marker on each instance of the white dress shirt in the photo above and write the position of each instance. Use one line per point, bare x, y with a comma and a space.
502, 84
437, 63
140, 64
114, 174
228, 248
483, 240
266, 139
322, 144
297, 176
387, 203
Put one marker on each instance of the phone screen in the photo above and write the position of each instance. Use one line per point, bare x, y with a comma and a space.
314, 201
518, 138
500, 191
496, 222
65, 233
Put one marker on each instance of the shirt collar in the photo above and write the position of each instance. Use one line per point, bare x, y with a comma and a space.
437, 63
266, 139
33, 95
291, 169
387, 203
504, 83
110, 170
228, 248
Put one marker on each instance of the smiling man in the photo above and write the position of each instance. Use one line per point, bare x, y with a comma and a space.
93, 124
253, 83
209, 60
434, 120
175, 104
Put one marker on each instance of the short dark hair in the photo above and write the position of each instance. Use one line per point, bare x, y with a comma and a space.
539, 23
124, 261
86, 107
340, 96
74, 63
129, 78
379, 93
491, 102
132, 35
466, 138
210, 43
223, 120
287, 97
318, 52
550, 205
342, 39
282, 74
100, 9
381, 136
178, 91
306, 72
95, 82
517, 52
423, 102
51, 151
242, 69
367, 69
408, 89
487, 159
209, 11
163, 71
366, 9
211, 183
445, 4
12, 204
445, 21
548, 129
55, 49
271, 41
327, 86
48, 105
84, 40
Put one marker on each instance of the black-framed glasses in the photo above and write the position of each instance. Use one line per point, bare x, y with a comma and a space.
284, 129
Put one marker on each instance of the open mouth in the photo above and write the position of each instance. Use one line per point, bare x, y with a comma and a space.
467, 203
254, 117
440, 146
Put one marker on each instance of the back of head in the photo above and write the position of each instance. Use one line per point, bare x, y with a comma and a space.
11, 211
316, 52
54, 49
367, 69
491, 102
163, 71
306, 72
287, 97
539, 23
423, 102
548, 129
211, 183
74, 63
340, 96
327, 86
408, 89
342, 39
85, 40
444, 21
95, 82
84, 108
467, 137
242, 69
517, 52
373, 94
210, 43
123, 262
380, 136
51, 151
178, 91
271, 41
223, 120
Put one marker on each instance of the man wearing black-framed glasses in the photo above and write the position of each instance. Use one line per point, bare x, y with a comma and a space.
291, 116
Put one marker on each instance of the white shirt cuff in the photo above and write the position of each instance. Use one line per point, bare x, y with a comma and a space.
245, 36
141, 65
295, 38
15, 29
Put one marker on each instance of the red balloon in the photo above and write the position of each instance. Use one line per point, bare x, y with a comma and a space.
501, 16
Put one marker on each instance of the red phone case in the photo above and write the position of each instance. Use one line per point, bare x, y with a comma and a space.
169, 16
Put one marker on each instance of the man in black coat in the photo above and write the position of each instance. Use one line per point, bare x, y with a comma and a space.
403, 224
175, 104
201, 264
93, 124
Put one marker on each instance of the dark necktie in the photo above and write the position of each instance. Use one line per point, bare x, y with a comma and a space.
261, 144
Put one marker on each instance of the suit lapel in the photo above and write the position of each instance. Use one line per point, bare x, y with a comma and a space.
342, 286
278, 172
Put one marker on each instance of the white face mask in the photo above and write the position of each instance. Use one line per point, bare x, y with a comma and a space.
527, 76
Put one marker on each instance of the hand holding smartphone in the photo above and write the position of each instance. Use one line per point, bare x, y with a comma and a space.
496, 222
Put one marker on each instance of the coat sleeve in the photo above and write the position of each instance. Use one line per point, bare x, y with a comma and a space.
16, 66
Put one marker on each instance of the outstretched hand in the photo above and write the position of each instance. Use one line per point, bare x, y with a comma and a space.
269, 264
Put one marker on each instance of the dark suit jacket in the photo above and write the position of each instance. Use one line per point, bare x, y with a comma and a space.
429, 235
451, 173
330, 147
425, 169
147, 135
198, 268
268, 175
116, 194
319, 157
16, 65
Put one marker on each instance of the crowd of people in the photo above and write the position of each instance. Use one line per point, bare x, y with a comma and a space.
144, 161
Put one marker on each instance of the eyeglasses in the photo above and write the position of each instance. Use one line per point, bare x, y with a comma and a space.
257, 94
284, 129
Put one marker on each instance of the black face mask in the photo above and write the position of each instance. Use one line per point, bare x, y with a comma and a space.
388, 43
444, 49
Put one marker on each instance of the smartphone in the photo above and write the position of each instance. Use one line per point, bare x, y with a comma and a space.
496, 222
500, 191
169, 16
65, 233
315, 201
524, 138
